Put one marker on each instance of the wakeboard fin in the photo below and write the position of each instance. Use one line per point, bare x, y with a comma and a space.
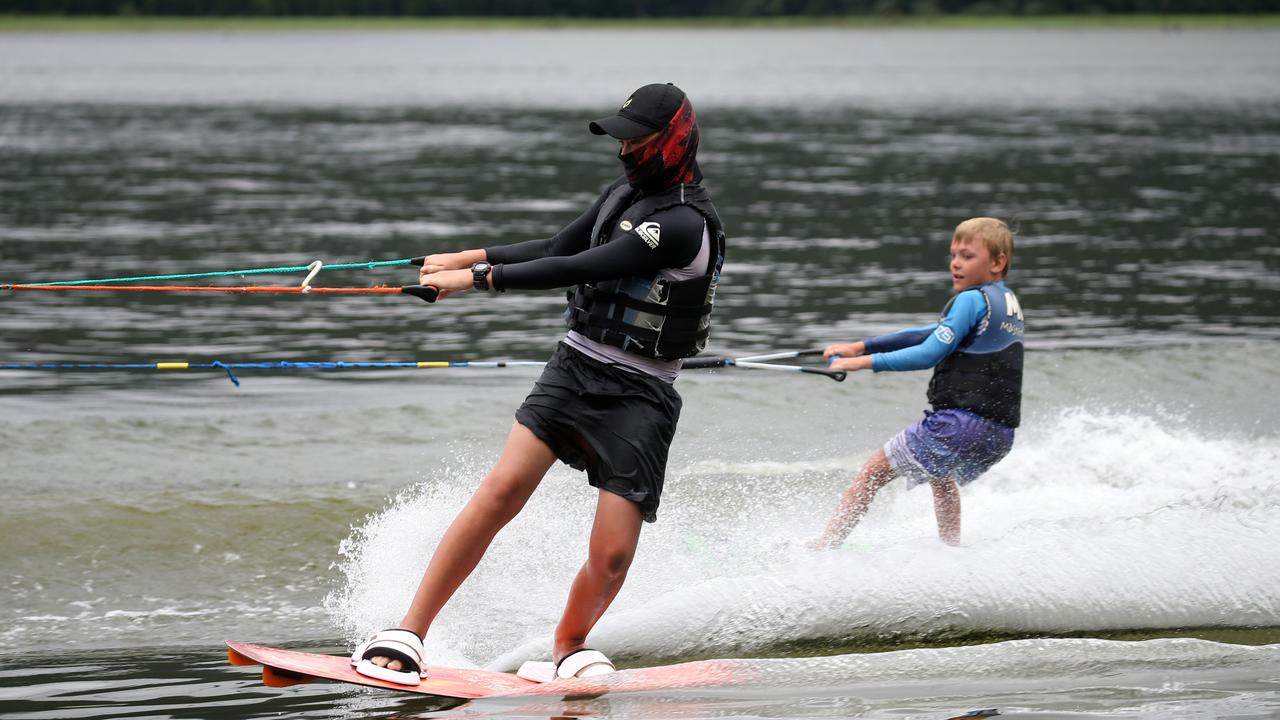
279, 677
236, 658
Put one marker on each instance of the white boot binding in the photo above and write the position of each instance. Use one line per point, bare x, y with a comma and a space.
584, 663
395, 644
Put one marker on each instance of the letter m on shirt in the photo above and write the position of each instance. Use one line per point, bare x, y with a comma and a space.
1011, 306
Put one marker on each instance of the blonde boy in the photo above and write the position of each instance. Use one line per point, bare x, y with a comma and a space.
975, 350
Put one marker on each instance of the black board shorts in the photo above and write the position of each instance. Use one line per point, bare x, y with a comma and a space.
615, 424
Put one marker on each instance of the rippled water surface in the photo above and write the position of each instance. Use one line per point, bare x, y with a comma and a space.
1120, 562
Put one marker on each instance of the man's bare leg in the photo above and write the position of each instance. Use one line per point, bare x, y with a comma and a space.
524, 461
614, 536
875, 474
946, 507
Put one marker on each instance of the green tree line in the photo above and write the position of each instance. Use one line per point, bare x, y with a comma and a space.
624, 8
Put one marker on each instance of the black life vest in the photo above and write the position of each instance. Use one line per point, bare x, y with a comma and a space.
984, 374
651, 316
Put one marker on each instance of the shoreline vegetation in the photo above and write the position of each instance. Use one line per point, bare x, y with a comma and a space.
144, 23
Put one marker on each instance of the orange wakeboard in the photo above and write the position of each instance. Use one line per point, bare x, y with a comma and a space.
282, 668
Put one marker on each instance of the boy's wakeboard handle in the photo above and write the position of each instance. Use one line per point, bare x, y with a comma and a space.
761, 362
837, 375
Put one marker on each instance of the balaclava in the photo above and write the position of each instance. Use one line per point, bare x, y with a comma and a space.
668, 159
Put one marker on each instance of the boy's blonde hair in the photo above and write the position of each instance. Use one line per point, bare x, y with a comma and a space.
993, 233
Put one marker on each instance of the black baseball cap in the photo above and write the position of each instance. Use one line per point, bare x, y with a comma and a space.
648, 110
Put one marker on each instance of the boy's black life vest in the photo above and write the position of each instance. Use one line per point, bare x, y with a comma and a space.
984, 374
651, 315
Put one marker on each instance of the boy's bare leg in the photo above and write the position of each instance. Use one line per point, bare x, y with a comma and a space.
875, 474
500, 497
946, 507
614, 536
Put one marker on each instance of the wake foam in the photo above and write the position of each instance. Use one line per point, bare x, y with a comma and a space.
1096, 522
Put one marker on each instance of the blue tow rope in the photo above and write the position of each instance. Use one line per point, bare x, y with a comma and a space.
228, 368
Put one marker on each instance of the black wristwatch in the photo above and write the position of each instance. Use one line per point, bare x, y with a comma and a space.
480, 275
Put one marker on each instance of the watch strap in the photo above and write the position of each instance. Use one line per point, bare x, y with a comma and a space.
480, 275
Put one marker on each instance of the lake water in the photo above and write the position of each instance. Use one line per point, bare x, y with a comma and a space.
1121, 562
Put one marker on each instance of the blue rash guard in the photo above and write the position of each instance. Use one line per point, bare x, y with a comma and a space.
975, 350
924, 347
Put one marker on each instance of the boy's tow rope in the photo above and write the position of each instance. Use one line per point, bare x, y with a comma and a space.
751, 362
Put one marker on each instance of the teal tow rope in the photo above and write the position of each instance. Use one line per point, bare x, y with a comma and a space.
223, 273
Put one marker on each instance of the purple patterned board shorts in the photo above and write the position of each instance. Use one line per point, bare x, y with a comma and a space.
948, 443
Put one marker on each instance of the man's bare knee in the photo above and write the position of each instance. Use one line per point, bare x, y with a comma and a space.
612, 562
500, 496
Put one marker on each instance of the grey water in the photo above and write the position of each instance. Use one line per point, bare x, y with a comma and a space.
1120, 562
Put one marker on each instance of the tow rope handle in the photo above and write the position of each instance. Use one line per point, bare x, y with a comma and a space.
426, 292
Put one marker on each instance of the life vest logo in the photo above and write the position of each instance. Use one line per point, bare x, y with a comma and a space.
650, 232
945, 334
625, 225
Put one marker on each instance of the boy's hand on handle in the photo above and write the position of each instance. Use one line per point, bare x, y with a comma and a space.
844, 350
833, 352
861, 362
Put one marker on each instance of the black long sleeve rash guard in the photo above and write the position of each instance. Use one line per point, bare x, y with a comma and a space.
567, 258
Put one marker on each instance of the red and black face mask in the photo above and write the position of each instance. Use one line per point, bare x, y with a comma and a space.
669, 158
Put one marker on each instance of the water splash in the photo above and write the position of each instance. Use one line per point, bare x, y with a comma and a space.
1097, 522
